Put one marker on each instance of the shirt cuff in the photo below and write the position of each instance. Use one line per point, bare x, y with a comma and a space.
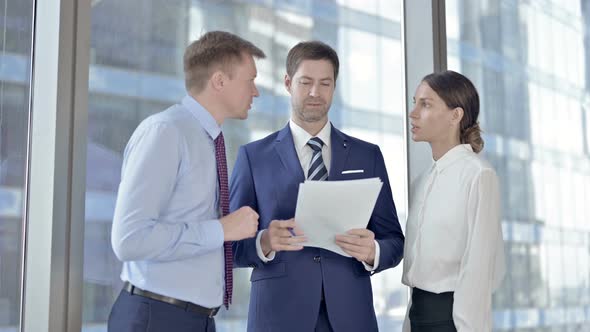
376, 261
271, 255
214, 231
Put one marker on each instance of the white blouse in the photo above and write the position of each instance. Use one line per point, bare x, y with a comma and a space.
454, 236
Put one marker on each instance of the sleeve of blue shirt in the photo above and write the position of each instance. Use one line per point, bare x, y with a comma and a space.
152, 166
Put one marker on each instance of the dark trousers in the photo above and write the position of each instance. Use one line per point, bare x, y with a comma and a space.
431, 312
134, 313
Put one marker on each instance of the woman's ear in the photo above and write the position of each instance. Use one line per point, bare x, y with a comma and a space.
457, 115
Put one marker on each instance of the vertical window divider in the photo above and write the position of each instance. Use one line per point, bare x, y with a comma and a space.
53, 263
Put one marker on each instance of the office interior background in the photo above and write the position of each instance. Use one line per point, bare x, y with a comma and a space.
77, 77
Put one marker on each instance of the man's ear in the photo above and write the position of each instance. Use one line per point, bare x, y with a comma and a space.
288, 82
218, 80
457, 115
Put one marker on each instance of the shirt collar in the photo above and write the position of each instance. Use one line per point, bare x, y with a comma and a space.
203, 116
301, 137
454, 154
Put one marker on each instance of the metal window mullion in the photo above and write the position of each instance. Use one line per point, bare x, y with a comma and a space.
57, 159
439, 35
424, 50
424, 43
79, 144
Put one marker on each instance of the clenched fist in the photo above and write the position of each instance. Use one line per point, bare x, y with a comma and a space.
239, 225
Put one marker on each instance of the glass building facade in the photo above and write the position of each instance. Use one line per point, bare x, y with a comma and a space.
136, 70
16, 19
530, 60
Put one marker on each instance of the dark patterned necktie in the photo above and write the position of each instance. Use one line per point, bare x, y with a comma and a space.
317, 170
224, 205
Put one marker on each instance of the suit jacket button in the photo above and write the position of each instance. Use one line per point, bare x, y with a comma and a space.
317, 259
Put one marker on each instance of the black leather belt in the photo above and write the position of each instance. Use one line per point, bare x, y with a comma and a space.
188, 306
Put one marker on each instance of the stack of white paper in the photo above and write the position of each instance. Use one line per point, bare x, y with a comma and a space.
327, 208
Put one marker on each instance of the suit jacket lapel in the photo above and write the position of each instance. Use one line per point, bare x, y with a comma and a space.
340, 150
285, 148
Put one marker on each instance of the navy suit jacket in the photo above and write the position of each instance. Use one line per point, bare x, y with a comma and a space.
286, 292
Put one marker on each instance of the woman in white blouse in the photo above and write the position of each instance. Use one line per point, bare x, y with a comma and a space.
454, 252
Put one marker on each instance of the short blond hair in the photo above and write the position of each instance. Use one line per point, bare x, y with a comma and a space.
214, 50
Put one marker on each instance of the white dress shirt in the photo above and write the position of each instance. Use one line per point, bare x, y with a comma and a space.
305, 153
454, 236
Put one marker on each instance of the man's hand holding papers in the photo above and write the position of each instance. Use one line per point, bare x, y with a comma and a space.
334, 216
358, 243
282, 235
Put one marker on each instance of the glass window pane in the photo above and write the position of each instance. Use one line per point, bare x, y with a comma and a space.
529, 61
16, 22
136, 70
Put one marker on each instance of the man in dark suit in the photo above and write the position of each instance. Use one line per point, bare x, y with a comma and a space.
296, 288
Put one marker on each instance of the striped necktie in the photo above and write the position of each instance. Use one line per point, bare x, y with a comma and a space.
317, 169
224, 206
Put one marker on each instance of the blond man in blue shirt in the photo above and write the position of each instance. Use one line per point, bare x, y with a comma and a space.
171, 226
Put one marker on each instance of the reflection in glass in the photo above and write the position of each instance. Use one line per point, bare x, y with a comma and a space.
529, 60
136, 70
16, 23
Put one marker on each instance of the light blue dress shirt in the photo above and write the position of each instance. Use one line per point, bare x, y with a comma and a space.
166, 227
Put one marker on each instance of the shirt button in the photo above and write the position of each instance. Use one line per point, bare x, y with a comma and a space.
317, 259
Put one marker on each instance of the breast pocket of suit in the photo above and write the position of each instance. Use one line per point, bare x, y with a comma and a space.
268, 271
353, 174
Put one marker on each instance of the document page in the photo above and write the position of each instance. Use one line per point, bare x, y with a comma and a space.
327, 208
